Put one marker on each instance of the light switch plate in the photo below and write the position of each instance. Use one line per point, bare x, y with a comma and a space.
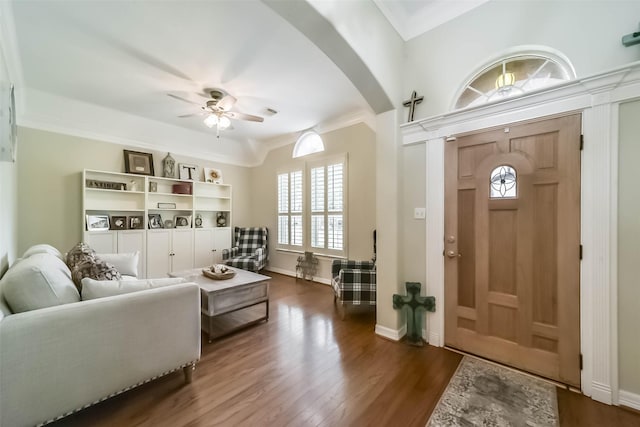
418, 213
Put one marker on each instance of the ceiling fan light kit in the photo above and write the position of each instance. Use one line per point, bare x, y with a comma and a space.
218, 110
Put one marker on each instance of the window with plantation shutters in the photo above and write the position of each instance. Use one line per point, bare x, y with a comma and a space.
327, 208
311, 207
290, 209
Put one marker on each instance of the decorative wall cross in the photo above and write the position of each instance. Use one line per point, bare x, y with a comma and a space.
415, 305
411, 103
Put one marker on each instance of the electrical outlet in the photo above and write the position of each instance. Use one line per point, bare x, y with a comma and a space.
418, 213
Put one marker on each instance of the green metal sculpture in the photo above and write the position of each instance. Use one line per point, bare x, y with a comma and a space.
414, 306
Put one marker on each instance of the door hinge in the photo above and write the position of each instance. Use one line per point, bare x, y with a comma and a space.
581, 252
581, 362
581, 142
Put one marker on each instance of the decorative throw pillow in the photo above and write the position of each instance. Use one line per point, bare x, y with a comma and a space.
79, 253
96, 269
126, 263
92, 289
40, 281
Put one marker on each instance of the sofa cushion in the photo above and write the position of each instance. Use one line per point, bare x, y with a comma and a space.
94, 268
79, 253
125, 263
43, 249
42, 280
92, 289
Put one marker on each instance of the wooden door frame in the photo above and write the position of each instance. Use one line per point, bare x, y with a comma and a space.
597, 98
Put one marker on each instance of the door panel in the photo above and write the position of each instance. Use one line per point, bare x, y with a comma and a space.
512, 263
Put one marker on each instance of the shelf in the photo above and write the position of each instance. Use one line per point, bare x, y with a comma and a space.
170, 210
114, 210
104, 190
214, 197
151, 193
161, 178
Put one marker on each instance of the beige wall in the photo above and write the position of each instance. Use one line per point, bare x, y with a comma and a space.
629, 248
358, 142
50, 189
414, 250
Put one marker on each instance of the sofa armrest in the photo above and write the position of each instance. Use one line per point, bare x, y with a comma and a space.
58, 359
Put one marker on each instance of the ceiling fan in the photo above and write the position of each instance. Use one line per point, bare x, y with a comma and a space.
218, 110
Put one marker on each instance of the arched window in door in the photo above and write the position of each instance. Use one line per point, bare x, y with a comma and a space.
513, 76
503, 183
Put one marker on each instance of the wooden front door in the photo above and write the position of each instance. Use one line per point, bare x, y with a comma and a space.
512, 246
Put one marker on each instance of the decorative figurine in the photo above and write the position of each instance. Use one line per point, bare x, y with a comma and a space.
221, 219
169, 166
198, 221
411, 103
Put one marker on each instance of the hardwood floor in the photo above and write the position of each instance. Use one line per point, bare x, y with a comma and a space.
307, 367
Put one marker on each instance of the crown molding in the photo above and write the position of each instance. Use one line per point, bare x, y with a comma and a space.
53, 113
9, 44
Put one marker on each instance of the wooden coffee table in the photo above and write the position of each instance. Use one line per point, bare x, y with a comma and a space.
231, 304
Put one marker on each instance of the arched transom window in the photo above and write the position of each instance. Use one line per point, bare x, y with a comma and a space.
514, 76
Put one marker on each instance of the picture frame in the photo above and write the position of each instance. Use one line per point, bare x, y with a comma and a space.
182, 221
97, 222
136, 222
189, 172
155, 221
153, 187
118, 222
138, 163
213, 175
8, 129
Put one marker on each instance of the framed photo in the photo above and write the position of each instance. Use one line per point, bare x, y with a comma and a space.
97, 222
8, 130
188, 172
137, 162
155, 221
153, 187
118, 222
136, 222
182, 221
213, 175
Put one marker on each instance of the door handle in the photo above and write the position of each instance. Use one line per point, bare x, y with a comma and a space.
452, 254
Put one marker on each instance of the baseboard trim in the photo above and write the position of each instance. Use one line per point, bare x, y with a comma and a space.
392, 334
433, 338
293, 274
601, 393
628, 399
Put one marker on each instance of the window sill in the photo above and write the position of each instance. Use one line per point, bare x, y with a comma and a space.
316, 254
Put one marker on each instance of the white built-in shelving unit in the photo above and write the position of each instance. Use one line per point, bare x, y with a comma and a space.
135, 198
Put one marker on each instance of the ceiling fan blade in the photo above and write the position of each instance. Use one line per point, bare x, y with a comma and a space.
190, 115
226, 103
243, 116
183, 99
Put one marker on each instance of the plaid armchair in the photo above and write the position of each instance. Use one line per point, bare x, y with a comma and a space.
354, 282
250, 250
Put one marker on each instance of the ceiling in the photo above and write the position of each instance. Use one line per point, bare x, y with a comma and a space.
410, 18
140, 57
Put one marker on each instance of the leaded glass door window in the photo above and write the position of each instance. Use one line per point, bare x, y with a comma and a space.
504, 184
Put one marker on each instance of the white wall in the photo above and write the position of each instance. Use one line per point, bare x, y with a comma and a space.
50, 184
629, 249
358, 142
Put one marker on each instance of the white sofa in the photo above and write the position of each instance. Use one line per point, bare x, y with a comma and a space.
57, 360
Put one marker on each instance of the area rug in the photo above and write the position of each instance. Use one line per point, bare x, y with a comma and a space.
484, 394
